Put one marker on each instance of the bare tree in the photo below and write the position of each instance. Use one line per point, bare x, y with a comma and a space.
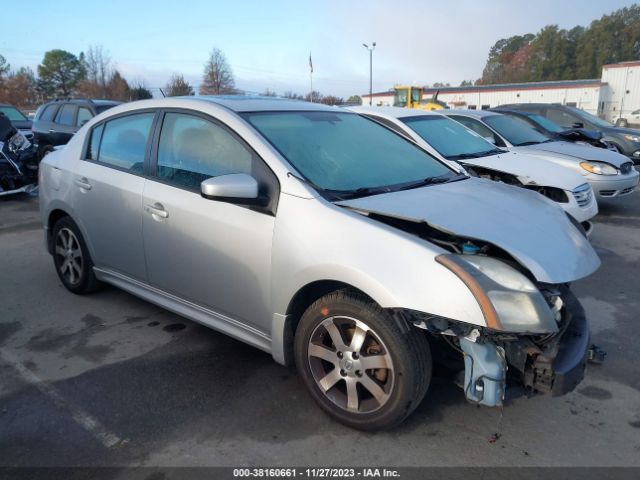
178, 87
293, 96
218, 76
20, 88
99, 68
269, 93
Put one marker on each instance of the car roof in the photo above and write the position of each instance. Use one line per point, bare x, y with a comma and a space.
525, 105
254, 103
394, 112
84, 101
472, 113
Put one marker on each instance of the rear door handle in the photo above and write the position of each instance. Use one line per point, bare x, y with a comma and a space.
156, 209
83, 183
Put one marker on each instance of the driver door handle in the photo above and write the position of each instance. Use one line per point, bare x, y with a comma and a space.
156, 209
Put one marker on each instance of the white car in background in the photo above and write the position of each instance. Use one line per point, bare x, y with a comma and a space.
449, 140
609, 173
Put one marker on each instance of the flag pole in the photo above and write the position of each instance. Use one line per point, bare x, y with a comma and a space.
311, 78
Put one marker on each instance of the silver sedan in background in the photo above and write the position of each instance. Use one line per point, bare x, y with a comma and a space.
609, 173
328, 241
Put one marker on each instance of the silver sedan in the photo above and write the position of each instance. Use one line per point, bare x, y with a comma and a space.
328, 241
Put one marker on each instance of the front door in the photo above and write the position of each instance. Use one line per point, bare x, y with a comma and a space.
214, 254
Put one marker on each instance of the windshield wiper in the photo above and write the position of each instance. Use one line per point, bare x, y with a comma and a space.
433, 181
526, 144
463, 156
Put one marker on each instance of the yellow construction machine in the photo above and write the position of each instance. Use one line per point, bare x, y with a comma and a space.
411, 97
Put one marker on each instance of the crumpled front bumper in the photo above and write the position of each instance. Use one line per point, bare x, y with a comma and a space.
555, 366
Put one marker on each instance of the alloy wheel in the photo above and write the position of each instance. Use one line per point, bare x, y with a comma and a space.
350, 364
69, 256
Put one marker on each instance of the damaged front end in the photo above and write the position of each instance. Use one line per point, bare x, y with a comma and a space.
18, 161
493, 366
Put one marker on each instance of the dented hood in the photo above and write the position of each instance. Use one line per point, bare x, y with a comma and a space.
531, 169
534, 230
580, 152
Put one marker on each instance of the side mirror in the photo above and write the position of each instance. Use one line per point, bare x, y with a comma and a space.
233, 188
578, 125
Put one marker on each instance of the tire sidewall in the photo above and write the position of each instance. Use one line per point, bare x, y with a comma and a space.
86, 273
405, 374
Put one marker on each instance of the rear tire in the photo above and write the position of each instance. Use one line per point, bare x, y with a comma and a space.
359, 364
71, 258
622, 122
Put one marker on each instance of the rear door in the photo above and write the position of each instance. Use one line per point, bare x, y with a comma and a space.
108, 186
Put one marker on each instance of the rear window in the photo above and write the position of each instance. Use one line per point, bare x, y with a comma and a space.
103, 108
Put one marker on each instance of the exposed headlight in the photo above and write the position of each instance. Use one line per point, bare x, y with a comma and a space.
509, 301
18, 142
633, 138
599, 168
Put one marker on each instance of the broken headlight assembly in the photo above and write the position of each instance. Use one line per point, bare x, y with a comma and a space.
18, 142
509, 301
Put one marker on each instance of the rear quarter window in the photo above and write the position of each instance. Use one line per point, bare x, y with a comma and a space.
48, 112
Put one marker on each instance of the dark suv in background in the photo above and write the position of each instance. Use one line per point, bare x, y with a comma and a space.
625, 140
56, 122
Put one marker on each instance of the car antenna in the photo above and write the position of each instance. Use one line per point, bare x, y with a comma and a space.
163, 95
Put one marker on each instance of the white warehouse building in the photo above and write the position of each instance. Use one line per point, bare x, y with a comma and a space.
616, 93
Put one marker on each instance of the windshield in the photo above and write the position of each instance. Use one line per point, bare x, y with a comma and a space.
598, 122
450, 139
545, 123
344, 152
400, 98
13, 114
517, 131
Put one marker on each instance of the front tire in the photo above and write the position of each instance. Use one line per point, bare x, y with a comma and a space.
71, 258
360, 366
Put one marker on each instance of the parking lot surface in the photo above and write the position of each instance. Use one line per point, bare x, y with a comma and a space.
108, 379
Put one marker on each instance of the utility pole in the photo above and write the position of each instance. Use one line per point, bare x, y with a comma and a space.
370, 70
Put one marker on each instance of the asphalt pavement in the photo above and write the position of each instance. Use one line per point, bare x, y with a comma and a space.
108, 379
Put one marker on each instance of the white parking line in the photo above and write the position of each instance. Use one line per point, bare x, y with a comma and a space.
82, 418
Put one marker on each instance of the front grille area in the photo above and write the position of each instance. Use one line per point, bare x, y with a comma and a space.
583, 195
626, 167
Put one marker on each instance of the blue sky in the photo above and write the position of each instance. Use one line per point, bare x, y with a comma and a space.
267, 43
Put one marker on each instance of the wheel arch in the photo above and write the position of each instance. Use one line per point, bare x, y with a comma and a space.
55, 215
284, 328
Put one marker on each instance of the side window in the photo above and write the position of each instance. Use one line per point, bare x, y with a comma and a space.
480, 129
193, 149
124, 141
562, 118
84, 115
48, 113
66, 114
